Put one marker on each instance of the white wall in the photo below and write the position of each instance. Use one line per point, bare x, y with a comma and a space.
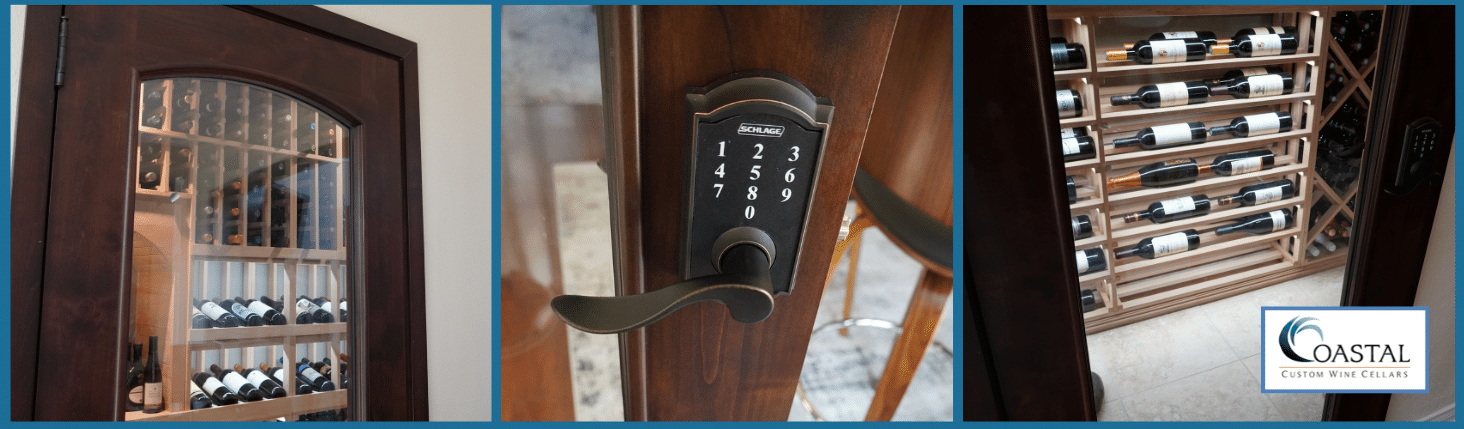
455, 80
1436, 291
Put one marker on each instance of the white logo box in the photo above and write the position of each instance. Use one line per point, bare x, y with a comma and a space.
1385, 350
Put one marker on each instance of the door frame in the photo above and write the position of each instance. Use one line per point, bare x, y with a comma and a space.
35, 119
1005, 288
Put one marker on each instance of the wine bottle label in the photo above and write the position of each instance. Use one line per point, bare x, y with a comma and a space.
1278, 220
279, 374
1069, 146
1059, 54
1268, 195
1169, 244
1178, 205
1066, 106
1247, 165
260, 308
1266, 85
310, 373
152, 393
305, 306
1173, 94
193, 389
135, 395
1180, 35
1068, 133
1253, 71
197, 313
1168, 51
1082, 262
1262, 30
213, 310
1172, 133
235, 382
258, 378
1262, 124
326, 306
1265, 45
212, 384
1077, 226
242, 311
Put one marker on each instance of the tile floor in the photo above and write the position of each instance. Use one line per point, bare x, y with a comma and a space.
1203, 363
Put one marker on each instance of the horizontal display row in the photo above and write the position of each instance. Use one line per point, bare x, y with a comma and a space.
240, 312
237, 112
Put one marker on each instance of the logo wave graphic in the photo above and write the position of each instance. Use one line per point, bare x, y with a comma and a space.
1288, 336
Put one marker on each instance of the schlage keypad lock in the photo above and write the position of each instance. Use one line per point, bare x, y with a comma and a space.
754, 144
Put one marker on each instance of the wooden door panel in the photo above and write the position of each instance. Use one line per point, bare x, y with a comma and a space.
699, 364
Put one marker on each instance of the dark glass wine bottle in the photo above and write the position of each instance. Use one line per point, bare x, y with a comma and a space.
278, 375
1172, 209
246, 314
1256, 125
200, 320
196, 398
1165, 95
1068, 133
1259, 224
1266, 85
1078, 148
1159, 175
1069, 104
1082, 227
269, 315
1161, 51
237, 383
1250, 161
1090, 300
152, 387
134, 383
1073, 183
308, 306
1261, 193
1258, 45
268, 386
1208, 37
220, 316
325, 305
1091, 260
343, 310
311, 376
1165, 136
1264, 30
1164, 245
301, 317
1068, 56
1245, 72
215, 389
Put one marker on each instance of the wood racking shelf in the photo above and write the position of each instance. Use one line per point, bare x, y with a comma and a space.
1135, 289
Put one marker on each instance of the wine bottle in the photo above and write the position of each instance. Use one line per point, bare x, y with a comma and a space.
1165, 136
1165, 95
215, 389
1325, 242
267, 313
1258, 45
324, 305
196, 398
301, 317
248, 315
1172, 209
322, 367
1164, 245
134, 382
270, 388
237, 383
1069, 104
220, 316
1256, 125
1090, 300
278, 375
1068, 56
1261, 193
1078, 148
152, 387
1082, 228
1208, 37
154, 117
1159, 175
1091, 260
1266, 85
317, 315
1259, 224
343, 310
1236, 163
1068, 133
316, 381
1073, 183
1161, 51
1248, 71
1264, 30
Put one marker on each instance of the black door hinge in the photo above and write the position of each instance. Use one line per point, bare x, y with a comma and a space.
61, 54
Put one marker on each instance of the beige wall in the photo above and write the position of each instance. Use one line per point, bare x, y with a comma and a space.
455, 81
1436, 291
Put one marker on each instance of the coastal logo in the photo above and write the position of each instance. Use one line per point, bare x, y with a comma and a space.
1364, 349
1288, 336
760, 130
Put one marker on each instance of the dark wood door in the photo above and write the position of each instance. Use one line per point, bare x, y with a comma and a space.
76, 205
698, 363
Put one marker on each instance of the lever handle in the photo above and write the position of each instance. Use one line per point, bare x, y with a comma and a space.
744, 285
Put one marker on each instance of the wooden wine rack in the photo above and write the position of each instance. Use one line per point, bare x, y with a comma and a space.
312, 258
1135, 289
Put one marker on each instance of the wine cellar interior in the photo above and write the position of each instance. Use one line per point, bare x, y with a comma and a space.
239, 210
1327, 90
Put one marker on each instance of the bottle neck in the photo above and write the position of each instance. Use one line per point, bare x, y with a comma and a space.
1126, 253
1226, 229
1227, 200
1223, 129
1125, 142
1121, 100
1135, 217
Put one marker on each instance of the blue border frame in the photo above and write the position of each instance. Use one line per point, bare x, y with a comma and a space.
1265, 334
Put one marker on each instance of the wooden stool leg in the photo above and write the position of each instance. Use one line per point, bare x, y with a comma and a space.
921, 320
849, 281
